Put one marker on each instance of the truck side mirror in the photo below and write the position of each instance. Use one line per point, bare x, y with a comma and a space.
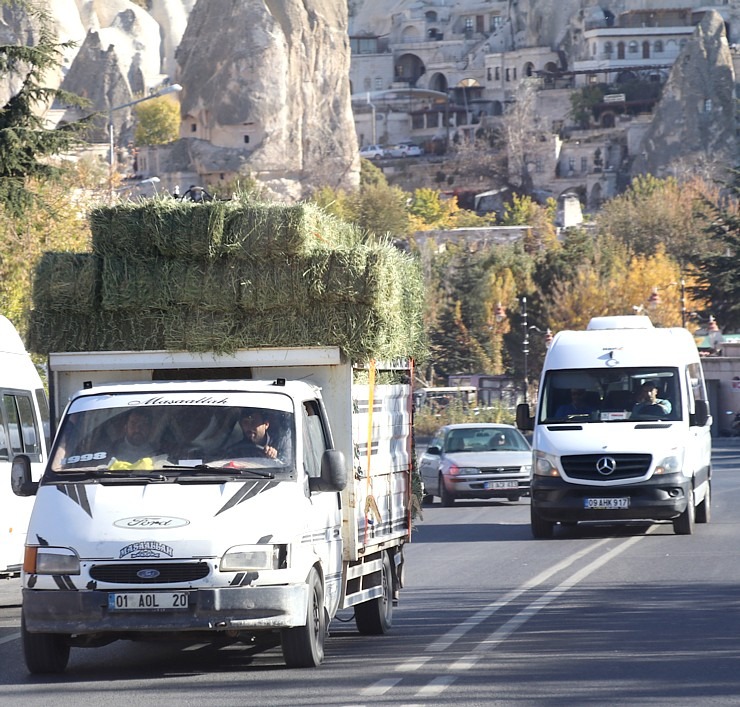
700, 416
524, 421
333, 473
20, 477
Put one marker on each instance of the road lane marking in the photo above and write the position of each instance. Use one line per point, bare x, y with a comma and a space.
471, 622
380, 687
409, 666
515, 622
436, 686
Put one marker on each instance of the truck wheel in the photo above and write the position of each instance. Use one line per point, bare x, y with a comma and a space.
684, 524
704, 509
303, 646
446, 497
375, 617
541, 529
44, 652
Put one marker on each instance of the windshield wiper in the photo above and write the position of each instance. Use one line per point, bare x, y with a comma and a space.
220, 470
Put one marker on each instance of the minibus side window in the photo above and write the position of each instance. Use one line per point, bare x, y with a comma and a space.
22, 426
4, 451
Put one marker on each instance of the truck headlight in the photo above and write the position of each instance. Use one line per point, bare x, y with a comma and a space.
242, 558
545, 465
50, 560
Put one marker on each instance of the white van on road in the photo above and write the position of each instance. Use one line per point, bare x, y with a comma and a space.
605, 450
24, 429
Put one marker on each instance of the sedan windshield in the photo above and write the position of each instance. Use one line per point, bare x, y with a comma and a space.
223, 432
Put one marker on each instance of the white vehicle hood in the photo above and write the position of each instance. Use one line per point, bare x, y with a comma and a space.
165, 520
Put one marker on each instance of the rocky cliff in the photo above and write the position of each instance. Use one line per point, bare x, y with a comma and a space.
280, 67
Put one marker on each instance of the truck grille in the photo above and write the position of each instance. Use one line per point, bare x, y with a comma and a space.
586, 466
150, 572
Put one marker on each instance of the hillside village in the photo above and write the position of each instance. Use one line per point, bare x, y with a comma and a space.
598, 92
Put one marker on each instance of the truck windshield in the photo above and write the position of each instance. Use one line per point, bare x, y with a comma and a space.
614, 395
166, 432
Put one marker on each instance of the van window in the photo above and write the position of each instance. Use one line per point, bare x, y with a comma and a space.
22, 426
4, 451
43, 404
314, 439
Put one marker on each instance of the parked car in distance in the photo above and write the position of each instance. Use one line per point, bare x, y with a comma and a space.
405, 149
372, 152
476, 460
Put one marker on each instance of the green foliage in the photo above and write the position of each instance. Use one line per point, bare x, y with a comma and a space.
717, 268
655, 212
158, 121
25, 144
583, 101
426, 206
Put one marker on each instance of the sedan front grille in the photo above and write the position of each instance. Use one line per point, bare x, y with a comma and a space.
150, 572
500, 470
625, 466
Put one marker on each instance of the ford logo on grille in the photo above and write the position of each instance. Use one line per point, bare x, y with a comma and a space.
148, 574
606, 465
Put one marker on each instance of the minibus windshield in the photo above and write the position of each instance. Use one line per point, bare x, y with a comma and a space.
613, 395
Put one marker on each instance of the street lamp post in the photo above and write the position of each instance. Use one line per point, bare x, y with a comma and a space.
172, 88
525, 348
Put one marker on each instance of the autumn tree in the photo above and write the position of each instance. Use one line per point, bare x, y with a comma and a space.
157, 121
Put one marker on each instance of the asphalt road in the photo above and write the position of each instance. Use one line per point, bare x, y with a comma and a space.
617, 615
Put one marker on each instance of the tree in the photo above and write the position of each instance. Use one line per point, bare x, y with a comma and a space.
717, 269
658, 211
157, 121
26, 145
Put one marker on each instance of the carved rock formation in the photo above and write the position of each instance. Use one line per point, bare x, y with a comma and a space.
277, 72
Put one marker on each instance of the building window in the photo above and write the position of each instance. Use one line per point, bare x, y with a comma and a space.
246, 139
708, 105
497, 73
468, 25
508, 74
193, 127
633, 47
608, 48
571, 165
515, 73
496, 22
488, 74
584, 164
367, 83
658, 47
378, 83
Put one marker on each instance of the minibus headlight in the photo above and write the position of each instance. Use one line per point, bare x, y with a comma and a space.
51, 560
242, 558
545, 465
669, 465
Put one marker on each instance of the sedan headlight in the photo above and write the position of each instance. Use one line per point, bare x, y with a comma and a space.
242, 558
545, 465
50, 560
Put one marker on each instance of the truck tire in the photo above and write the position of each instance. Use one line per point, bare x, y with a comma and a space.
375, 617
446, 497
684, 524
541, 529
303, 646
44, 652
704, 509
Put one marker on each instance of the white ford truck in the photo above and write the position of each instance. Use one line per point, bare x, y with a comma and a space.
193, 531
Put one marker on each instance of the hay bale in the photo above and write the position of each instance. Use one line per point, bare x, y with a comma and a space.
162, 283
66, 282
256, 231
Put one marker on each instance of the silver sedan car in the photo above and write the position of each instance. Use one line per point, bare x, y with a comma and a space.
483, 460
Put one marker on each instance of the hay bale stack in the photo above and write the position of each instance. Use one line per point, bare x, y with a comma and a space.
221, 276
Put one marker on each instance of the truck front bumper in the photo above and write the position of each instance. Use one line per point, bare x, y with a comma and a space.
658, 498
219, 609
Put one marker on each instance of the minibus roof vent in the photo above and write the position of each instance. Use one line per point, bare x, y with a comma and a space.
628, 321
